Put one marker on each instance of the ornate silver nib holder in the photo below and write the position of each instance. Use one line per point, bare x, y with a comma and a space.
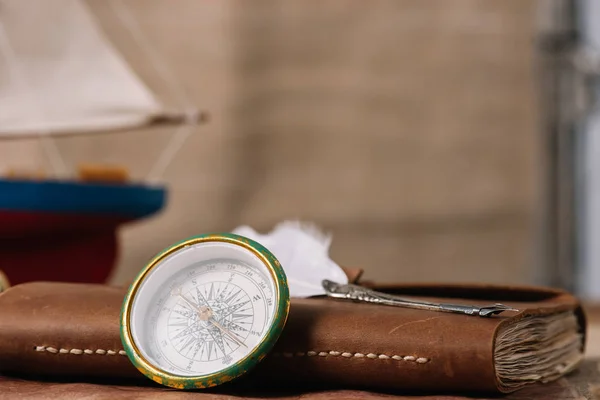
359, 293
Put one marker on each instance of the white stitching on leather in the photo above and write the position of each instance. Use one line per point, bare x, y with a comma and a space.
372, 356
54, 350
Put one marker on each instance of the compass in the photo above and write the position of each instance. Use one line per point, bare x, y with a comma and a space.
204, 311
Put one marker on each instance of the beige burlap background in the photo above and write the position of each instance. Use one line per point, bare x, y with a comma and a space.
406, 128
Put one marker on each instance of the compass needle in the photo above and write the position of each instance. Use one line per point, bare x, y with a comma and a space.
233, 326
227, 332
201, 311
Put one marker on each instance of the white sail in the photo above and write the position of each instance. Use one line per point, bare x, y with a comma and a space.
59, 74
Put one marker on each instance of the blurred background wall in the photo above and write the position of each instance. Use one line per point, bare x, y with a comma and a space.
407, 129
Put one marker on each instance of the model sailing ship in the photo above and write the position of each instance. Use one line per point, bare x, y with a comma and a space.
60, 75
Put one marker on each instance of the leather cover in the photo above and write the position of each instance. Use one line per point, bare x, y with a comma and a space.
72, 330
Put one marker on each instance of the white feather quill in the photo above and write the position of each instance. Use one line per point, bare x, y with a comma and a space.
303, 251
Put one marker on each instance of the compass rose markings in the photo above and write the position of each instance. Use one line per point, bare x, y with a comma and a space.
211, 291
210, 349
217, 338
201, 299
191, 339
216, 333
222, 295
197, 347
233, 308
185, 313
228, 300
235, 327
228, 341
186, 306
240, 316
189, 331
176, 324
202, 347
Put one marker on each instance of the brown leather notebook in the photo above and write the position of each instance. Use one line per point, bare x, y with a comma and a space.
72, 330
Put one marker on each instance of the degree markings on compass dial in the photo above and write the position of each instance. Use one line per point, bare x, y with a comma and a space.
210, 316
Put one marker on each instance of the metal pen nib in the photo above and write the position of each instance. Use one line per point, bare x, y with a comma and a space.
359, 293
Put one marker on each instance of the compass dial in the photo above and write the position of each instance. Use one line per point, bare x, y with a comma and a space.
204, 310
210, 315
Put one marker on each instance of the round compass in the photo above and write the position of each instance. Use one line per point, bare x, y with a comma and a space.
204, 311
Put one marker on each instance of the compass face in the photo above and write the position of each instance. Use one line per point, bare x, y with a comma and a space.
209, 316
204, 309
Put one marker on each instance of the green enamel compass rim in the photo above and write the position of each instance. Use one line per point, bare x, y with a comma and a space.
240, 367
